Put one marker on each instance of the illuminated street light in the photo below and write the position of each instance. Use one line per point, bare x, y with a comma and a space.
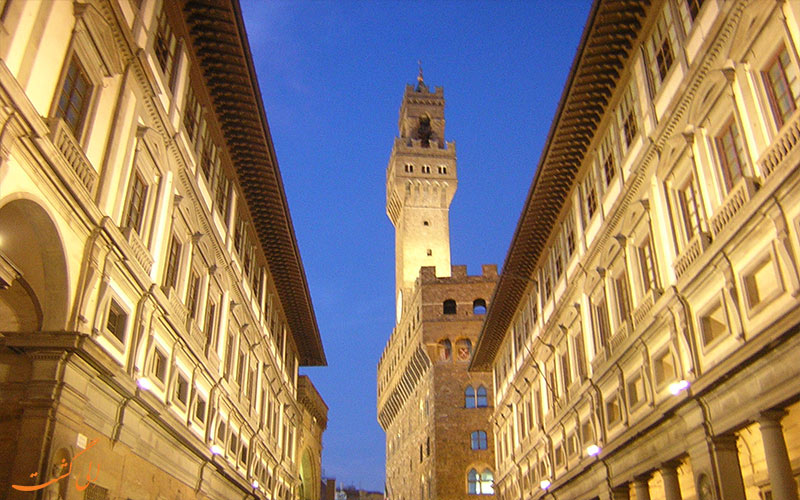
677, 387
545, 484
592, 450
144, 384
216, 449
254, 484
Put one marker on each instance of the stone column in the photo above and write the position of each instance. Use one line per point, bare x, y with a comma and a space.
778, 466
641, 487
728, 472
669, 473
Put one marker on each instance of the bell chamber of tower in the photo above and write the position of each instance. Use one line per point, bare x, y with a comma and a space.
420, 183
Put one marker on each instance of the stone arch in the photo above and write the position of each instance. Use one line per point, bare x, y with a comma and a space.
308, 477
32, 256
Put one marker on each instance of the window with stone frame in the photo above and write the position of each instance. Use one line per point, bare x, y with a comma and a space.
589, 195
230, 348
222, 195
600, 323
478, 440
566, 370
481, 399
663, 367
613, 410
72, 104
173, 263
192, 115
210, 325
200, 407
165, 46
628, 117
713, 323
782, 85
660, 48
158, 365
135, 205
181, 390
688, 206
731, 153
647, 265
622, 296
689, 10
636, 391
116, 320
557, 257
761, 282
568, 232
547, 280
606, 158
209, 157
193, 294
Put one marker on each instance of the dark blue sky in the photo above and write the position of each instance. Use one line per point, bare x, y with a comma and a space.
332, 74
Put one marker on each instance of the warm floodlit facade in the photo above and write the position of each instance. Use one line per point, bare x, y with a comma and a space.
434, 412
153, 305
643, 336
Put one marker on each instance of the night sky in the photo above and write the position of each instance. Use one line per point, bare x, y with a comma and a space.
332, 75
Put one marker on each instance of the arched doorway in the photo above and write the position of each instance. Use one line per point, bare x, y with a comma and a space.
307, 477
33, 288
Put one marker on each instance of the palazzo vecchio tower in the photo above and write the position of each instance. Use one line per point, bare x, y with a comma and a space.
434, 412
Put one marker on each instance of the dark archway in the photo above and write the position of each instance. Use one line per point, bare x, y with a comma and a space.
35, 294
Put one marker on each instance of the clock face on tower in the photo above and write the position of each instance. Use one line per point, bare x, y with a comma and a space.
399, 305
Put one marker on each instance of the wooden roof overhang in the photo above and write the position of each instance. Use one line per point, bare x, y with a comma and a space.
220, 44
606, 45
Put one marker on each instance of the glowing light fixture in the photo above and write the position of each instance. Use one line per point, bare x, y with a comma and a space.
545, 484
592, 450
254, 484
678, 387
144, 384
216, 449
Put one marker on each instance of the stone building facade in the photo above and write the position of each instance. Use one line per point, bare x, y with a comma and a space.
154, 308
309, 443
434, 412
643, 338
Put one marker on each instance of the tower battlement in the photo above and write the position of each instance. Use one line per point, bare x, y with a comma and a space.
458, 275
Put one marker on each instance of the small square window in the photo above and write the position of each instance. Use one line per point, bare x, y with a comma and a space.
587, 432
636, 394
221, 434
116, 321
713, 324
559, 455
761, 283
613, 413
182, 389
159, 367
429, 252
200, 409
663, 368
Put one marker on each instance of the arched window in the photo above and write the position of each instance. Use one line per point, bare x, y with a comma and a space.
479, 306
478, 440
486, 483
473, 482
469, 397
480, 484
463, 349
449, 306
481, 399
445, 349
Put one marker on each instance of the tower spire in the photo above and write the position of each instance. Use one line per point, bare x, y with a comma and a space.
420, 80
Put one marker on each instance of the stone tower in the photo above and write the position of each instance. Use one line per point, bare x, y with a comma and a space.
434, 411
420, 184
